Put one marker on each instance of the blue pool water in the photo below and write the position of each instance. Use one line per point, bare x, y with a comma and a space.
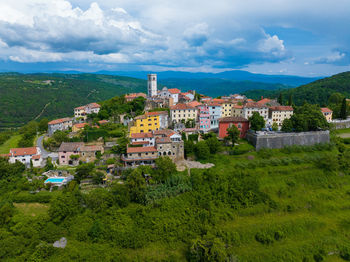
54, 180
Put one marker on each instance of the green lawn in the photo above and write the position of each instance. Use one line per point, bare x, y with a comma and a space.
11, 143
32, 209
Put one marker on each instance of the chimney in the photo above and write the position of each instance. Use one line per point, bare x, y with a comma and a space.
262, 97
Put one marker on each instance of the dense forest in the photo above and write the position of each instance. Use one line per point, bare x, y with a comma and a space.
317, 92
25, 97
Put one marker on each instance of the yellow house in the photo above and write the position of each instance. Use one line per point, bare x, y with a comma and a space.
145, 123
226, 109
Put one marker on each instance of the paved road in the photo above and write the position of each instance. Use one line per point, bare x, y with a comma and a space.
45, 154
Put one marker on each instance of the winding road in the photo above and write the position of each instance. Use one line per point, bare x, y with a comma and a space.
45, 154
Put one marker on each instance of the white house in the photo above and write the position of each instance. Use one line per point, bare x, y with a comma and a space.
83, 111
144, 139
59, 124
249, 108
174, 92
25, 155
215, 114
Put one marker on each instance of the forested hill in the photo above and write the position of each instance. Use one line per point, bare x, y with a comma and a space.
23, 97
317, 92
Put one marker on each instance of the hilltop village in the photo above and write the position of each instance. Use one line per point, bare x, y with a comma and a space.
169, 116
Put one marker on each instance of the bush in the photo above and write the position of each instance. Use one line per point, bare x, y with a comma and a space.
241, 149
264, 238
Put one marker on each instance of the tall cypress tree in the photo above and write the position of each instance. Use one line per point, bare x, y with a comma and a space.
290, 100
280, 99
343, 113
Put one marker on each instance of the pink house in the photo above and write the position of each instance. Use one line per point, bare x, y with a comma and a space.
204, 117
66, 150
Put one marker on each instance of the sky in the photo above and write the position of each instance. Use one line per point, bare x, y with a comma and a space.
288, 37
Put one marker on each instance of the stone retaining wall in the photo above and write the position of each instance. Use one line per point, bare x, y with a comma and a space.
279, 140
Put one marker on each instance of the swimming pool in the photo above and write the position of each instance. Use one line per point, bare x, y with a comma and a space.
55, 180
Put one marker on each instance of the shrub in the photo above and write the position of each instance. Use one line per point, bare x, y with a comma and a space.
264, 238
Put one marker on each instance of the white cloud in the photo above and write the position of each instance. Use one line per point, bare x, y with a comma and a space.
182, 33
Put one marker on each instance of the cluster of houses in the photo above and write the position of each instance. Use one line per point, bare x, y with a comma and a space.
168, 114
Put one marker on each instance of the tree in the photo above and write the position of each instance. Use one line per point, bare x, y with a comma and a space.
232, 135
62, 206
287, 125
188, 147
214, 144
335, 98
202, 150
97, 177
308, 118
43, 125
274, 126
290, 100
280, 99
343, 113
121, 194
257, 122
49, 165
165, 168
84, 171
137, 186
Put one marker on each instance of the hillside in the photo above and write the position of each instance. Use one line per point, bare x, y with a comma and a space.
219, 87
272, 205
316, 92
27, 96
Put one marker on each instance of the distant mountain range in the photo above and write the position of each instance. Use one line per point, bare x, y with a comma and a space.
317, 92
235, 75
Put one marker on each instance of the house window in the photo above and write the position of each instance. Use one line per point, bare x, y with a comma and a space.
139, 154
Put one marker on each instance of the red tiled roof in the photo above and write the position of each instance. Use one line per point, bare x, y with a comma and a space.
237, 106
163, 140
102, 122
181, 107
194, 104
254, 105
281, 108
264, 101
80, 108
141, 149
23, 151
141, 135
135, 95
232, 119
326, 110
219, 100
164, 132
214, 104
36, 157
156, 113
80, 125
140, 143
90, 148
94, 105
250, 100
174, 91
58, 121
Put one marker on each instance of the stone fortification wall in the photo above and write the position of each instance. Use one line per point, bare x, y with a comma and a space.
279, 140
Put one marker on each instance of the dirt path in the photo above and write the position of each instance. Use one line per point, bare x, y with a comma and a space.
182, 165
42, 111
